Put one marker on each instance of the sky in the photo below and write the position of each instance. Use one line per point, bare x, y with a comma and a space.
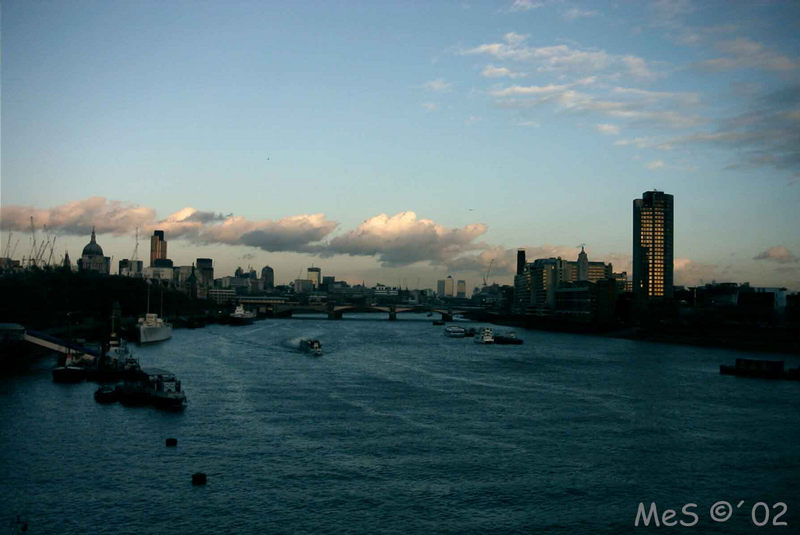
399, 142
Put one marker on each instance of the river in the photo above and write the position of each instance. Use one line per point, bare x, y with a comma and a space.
399, 429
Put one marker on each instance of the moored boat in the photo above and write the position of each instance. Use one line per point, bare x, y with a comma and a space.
484, 335
152, 328
153, 387
760, 369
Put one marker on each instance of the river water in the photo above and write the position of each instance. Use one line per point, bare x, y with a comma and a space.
398, 429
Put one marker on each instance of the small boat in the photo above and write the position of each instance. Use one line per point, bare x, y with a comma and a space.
106, 394
508, 338
454, 331
469, 333
311, 346
438, 322
240, 316
484, 335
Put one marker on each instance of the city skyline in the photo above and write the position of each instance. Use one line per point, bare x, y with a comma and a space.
399, 144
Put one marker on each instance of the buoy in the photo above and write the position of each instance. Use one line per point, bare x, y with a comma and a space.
198, 478
172, 442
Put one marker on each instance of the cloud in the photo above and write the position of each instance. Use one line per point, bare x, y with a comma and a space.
690, 273
472, 119
743, 53
657, 96
610, 129
525, 5
295, 233
576, 13
779, 254
79, 217
429, 106
766, 135
438, 85
531, 124
402, 239
490, 71
563, 58
570, 100
655, 164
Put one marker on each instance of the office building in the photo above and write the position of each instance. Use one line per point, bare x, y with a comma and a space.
158, 247
520, 261
461, 289
268, 277
653, 245
315, 276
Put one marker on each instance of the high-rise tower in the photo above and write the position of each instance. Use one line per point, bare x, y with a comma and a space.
653, 245
158, 247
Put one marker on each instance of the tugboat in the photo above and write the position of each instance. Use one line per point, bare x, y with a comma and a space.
485, 335
240, 316
311, 346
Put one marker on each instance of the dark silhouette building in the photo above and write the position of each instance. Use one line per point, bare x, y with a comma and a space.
268, 277
653, 245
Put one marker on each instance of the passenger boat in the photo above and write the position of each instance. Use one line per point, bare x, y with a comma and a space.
454, 331
484, 335
311, 346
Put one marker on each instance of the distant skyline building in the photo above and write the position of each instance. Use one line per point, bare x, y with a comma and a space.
315, 276
268, 277
449, 286
653, 245
520, 261
461, 289
158, 247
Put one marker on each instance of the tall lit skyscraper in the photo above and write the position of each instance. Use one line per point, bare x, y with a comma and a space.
158, 247
653, 245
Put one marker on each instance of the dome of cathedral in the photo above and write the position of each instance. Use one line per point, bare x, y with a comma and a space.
92, 248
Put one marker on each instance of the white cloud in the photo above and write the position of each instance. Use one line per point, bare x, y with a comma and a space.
472, 119
744, 53
576, 13
402, 239
563, 58
438, 85
525, 5
490, 71
655, 164
610, 129
532, 124
429, 106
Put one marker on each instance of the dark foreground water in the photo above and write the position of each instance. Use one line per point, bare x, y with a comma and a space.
397, 429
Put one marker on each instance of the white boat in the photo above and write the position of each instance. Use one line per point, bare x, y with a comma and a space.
484, 335
454, 331
153, 329
311, 346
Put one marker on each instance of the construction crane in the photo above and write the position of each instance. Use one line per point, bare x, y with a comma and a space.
8, 246
488, 271
135, 247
